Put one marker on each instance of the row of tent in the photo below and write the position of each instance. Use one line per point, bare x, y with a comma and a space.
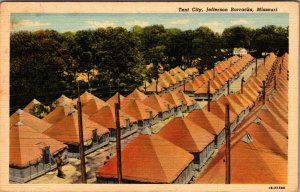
35, 143
196, 85
185, 144
259, 147
172, 79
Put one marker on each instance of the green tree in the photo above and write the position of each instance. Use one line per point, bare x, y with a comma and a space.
118, 57
271, 39
237, 37
38, 67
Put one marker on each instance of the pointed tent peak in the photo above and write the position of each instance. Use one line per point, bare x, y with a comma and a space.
187, 100
63, 99
158, 103
86, 96
186, 134
138, 110
137, 94
114, 99
34, 101
29, 120
172, 98
19, 112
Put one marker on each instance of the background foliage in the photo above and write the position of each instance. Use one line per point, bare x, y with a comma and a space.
44, 64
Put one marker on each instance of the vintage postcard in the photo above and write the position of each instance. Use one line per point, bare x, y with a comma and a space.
149, 96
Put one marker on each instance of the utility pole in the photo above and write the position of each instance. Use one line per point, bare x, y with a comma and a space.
119, 100
264, 92
208, 96
156, 86
275, 82
184, 85
228, 87
227, 135
242, 84
256, 68
118, 143
81, 140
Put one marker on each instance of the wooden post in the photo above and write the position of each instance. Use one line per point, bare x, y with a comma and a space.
228, 87
119, 101
256, 68
81, 140
145, 87
184, 85
242, 84
208, 95
227, 135
118, 143
264, 92
156, 86
275, 82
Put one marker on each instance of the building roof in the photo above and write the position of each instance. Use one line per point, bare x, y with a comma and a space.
185, 99
114, 99
218, 109
249, 165
138, 110
152, 86
147, 159
92, 106
60, 111
207, 120
136, 94
190, 86
63, 99
29, 120
240, 100
191, 70
172, 98
159, 104
234, 106
198, 83
105, 116
30, 105
67, 131
86, 96
26, 144
186, 134
203, 89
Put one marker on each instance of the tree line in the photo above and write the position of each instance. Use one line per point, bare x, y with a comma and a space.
44, 64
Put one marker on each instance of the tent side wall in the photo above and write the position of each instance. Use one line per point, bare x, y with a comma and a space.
22, 175
101, 142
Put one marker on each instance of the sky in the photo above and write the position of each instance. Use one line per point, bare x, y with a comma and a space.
64, 22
